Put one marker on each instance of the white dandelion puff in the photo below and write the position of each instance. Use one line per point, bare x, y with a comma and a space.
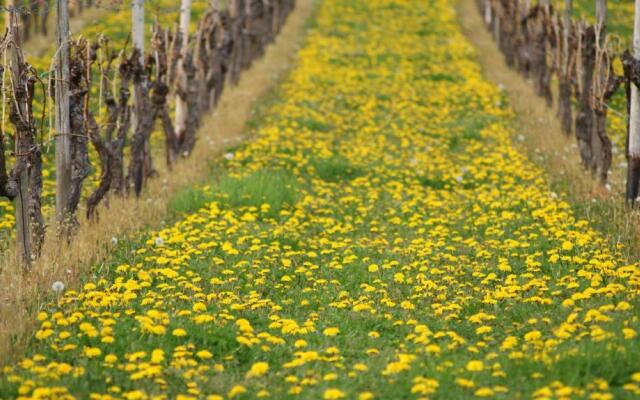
57, 286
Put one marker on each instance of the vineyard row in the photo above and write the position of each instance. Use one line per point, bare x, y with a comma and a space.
540, 42
134, 92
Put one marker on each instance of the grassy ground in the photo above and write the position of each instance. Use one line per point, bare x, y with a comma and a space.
380, 238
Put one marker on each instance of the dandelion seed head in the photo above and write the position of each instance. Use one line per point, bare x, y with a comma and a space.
57, 286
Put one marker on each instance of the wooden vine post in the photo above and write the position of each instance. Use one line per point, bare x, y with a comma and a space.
487, 12
23, 236
600, 142
633, 152
566, 32
137, 26
137, 33
63, 128
539, 36
601, 16
181, 104
497, 14
10, 7
596, 145
27, 173
564, 71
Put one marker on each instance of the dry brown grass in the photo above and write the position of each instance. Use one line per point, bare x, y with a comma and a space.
24, 294
547, 146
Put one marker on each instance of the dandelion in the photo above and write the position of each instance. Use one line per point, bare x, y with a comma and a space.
532, 336
258, 369
475, 366
333, 394
92, 352
484, 392
228, 156
204, 354
331, 331
159, 241
360, 367
57, 286
567, 246
179, 332
465, 383
236, 391
110, 358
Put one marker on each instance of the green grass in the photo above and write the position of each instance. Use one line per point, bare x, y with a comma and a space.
275, 188
336, 168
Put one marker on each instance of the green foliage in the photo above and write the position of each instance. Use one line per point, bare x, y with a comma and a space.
436, 183
276, 187
189, 200
336, 168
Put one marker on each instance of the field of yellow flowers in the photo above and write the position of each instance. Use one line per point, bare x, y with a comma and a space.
380, 238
